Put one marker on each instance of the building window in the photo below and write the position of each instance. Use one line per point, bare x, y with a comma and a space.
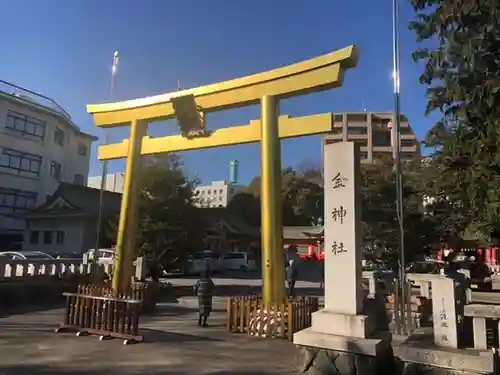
13, 201
79, 179
47, 237
361, 142
60, 235
55, 170
357, 130
25, 126
59, 136
34, 237
21, 163
82, 149
382, 139
408, 143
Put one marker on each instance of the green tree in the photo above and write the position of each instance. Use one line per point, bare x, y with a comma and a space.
461, 53
170, 226
380, 225
246, 206
302, 196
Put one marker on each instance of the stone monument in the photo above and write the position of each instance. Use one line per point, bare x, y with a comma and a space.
342, 328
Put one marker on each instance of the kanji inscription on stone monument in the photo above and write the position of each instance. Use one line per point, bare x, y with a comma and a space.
339, 214
338, 181
338, 248
342, 229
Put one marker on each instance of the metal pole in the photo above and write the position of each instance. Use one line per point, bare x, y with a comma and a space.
273, 263
397, 157
104, 170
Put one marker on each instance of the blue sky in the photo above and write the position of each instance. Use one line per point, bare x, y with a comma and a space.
63, 49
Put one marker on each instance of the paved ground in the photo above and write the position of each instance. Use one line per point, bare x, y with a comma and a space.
174, 345
239, 284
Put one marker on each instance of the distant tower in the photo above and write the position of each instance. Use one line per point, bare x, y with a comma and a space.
233, 172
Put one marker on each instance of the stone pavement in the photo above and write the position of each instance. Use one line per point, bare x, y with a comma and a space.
173, 345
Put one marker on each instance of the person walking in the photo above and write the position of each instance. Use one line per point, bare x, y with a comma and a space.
291, 277
322, 273
204, 290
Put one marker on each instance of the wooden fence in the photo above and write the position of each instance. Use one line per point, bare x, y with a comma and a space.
95, 310
248, 314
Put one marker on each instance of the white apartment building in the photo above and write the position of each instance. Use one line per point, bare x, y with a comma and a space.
114, 182
40, 146
218, 194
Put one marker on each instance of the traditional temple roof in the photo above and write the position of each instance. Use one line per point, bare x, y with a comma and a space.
302, 232
76, 200
220, 218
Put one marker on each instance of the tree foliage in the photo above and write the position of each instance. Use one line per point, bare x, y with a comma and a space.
380, 224
303, 201
170, 226
461, 53
302, 196
246, 206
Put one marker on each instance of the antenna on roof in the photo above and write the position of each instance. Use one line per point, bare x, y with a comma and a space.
363, 106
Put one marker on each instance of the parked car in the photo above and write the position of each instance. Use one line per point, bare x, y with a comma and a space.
238, 261
25, 255
103, 255
480, 275
426, 267
197, 263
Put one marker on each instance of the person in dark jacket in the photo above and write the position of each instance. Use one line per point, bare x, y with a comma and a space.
291, 277
204, 289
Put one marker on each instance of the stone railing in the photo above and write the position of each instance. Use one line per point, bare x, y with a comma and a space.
422, 281
17, 270
480, 314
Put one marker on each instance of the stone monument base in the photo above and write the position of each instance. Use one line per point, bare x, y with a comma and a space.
323, 353
419, 356
332, 323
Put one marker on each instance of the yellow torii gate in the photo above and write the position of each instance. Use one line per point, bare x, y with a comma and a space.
189, 106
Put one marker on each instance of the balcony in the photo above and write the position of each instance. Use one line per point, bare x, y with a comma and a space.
31, 97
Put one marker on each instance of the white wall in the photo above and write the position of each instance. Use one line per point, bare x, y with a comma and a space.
73, 229
114, 182
218, 194
68, 156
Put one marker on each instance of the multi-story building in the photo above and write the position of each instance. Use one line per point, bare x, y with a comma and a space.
375, 133
40, 147
114, 182
218, 194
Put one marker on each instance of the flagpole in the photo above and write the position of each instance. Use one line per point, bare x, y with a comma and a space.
105, 163
397, 161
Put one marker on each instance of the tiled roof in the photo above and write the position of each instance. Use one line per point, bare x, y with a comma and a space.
231, 222
77, 200
299, 232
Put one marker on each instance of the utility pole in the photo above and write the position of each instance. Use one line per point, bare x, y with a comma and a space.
104, 171
397, 162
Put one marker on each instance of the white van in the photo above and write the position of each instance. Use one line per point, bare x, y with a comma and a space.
104, 256
239, 261
197, 263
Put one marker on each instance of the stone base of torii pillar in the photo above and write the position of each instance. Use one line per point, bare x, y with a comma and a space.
342, 338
